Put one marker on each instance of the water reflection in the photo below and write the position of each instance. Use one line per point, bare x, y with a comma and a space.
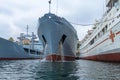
92, 70
77, 70
17, 70
57, 71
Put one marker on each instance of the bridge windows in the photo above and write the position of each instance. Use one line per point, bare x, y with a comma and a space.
99, 35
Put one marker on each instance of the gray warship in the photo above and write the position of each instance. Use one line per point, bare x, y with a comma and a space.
59, 38
12, 51
18, 51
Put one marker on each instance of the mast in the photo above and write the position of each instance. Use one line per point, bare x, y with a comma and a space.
27, 29
49, 6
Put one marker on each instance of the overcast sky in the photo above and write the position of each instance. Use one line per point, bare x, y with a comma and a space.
16, 14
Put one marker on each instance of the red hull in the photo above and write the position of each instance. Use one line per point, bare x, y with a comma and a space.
115, 57
59, 58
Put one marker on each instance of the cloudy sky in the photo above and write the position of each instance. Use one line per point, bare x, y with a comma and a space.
16, 14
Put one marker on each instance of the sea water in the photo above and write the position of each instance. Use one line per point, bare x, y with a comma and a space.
74, 70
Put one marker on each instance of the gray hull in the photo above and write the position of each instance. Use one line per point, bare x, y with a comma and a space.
58, 36
10, 50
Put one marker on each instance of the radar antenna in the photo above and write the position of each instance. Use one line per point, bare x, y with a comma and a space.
49, 6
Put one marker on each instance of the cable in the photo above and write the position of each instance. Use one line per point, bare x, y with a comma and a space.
93, 24
81, 24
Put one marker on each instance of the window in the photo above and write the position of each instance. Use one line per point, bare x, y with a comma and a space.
95, 38
103, 30
118, 16
106, 27
98, 35
92, 41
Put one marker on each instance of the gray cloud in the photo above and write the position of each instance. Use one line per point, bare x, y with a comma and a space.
5, 11
17, 14
4, 30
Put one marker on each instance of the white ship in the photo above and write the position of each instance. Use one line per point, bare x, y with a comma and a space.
103, 42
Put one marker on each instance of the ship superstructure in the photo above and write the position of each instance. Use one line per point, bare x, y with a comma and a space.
29, 44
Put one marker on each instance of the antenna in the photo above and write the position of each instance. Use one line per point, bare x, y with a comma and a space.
56, 7
27, 29
49, 6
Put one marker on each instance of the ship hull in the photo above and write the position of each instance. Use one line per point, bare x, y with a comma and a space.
12, 51
114, 57
110, 57
59, 58
58, 37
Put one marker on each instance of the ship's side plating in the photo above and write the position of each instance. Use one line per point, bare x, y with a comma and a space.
59, 38
12, 51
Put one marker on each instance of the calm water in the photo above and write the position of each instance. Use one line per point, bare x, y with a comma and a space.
77, 70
